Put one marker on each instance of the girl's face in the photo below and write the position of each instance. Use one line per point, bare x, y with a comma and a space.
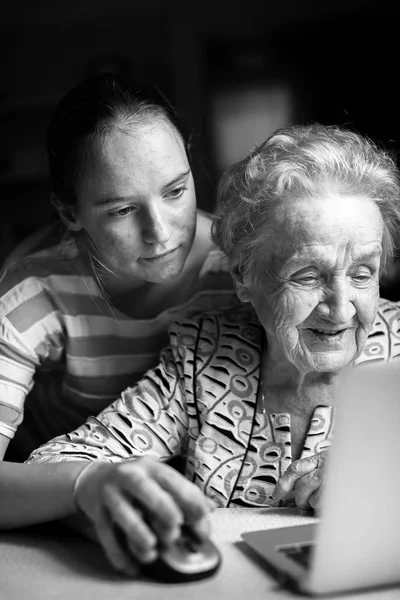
137, 203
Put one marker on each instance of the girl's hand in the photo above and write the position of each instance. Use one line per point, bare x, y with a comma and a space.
146, 501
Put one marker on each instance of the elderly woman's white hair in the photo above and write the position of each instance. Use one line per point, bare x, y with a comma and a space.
298, 162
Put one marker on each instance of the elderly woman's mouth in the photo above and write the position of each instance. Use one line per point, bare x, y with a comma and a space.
328, 335
329, 332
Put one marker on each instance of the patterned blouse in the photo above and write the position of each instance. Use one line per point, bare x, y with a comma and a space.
201, 403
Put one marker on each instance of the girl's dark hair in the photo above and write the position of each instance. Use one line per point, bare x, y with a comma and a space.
90, 111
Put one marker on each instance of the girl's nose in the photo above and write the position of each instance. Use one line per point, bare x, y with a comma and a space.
155, 227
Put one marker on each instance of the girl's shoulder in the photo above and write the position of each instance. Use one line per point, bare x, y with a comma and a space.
203, 231
205, 255
36, 269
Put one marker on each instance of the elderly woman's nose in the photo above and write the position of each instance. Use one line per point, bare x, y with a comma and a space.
339, 302
155, 226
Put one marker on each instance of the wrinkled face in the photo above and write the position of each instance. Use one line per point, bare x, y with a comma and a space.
318, 298
137, 203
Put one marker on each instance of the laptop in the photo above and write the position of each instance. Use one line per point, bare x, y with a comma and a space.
355, 543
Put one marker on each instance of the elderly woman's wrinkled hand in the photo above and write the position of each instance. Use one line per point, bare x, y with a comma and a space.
303, 482
138, 507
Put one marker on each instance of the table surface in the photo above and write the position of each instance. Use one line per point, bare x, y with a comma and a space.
50, 562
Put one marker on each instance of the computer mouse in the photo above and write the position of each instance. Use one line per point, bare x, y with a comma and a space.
188, 559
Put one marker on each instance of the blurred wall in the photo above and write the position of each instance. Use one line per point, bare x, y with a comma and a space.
337, 61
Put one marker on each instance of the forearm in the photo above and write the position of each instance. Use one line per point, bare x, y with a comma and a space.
4, 441
36, 493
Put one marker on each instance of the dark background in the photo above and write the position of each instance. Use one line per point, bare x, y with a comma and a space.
340, 59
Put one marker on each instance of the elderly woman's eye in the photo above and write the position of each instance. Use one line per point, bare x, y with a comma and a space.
362, 277
307, 279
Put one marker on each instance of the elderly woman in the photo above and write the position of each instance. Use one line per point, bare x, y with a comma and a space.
247, 396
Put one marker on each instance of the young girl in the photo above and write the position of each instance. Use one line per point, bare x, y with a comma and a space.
85, 318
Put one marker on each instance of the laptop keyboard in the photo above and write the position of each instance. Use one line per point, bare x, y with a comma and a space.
301, 553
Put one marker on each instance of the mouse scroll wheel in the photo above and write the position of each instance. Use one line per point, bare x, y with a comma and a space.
190, 545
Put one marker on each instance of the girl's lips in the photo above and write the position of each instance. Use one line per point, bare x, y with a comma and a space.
159, 256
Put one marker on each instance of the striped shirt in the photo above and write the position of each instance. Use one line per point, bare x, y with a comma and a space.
65, 354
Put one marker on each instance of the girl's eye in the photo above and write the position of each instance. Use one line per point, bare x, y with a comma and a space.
121, 212
177, 192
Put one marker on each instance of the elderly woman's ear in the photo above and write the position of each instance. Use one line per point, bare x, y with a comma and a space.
238, 280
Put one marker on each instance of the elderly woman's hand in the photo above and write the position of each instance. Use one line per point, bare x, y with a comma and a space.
303, 481
146, 501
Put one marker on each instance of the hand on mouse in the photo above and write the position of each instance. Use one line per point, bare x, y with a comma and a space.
147, 501
303, 479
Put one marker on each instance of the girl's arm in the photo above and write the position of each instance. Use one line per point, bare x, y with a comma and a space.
133, 508
134, 502
4, 441
36, 493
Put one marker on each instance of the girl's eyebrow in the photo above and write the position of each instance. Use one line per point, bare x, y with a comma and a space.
114, 200
108, 200
176, 180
